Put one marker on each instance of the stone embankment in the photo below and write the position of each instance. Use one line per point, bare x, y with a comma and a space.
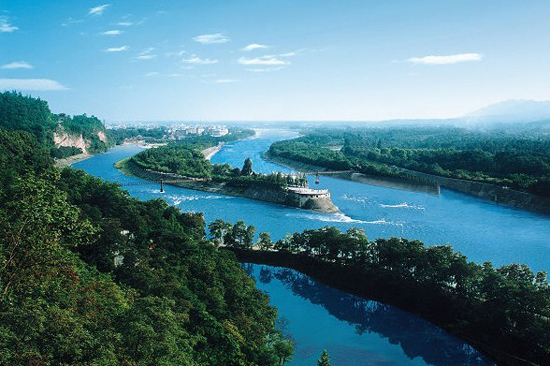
396, 183
498, 194
308, 199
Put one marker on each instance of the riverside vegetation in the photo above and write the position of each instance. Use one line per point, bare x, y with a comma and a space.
515, 159
503, 311
183, 164
89, 275
185, 159
22, 113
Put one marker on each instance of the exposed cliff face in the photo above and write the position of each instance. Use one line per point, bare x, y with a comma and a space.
102, 137
63, 139
319, 204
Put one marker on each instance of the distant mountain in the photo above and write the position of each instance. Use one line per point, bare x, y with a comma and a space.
511, 111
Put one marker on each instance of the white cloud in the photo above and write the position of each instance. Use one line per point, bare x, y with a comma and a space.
269, 60
446, 60
98, 10
30, 84
146, 57
175, 54
146, 54
199, 61
6, 26
226, 81
288, 54
254, 46
216, 38
117, 49
17, 65
125, 24
114, 32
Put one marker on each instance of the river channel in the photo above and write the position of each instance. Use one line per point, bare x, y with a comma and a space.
353, 330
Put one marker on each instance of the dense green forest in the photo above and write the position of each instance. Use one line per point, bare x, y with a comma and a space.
505, 308
24, 113
89, 275
516, 160
185, 159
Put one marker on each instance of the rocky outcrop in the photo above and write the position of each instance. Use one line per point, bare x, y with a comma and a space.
102, 137
319, 201
63, 139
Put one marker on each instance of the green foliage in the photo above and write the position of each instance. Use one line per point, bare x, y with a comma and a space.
517, 161
89, 275
119, 135
64, 152
174, 158
507, 306
186, 160
324, 360
237, 236
18, 112
25, 113
300, 150
265, 242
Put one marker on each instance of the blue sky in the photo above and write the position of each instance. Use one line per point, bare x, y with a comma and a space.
275, 59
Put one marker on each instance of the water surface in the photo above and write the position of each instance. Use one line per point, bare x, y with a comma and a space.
357, 331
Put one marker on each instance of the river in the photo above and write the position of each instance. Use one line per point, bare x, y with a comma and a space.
356, 331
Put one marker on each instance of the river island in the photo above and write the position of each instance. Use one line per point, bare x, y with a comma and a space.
186, 164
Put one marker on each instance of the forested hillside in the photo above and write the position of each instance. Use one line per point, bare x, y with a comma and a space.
89, 275
61, 134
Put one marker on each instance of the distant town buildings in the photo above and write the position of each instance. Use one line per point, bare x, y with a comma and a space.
182, 130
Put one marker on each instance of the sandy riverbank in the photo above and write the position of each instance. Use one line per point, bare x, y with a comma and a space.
211, 151
63, 163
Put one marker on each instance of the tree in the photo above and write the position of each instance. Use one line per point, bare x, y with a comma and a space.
250, 234
265, 242
324, 360
284, 350
219, 229
247, 167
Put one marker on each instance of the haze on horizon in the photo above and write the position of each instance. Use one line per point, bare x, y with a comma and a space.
305, 60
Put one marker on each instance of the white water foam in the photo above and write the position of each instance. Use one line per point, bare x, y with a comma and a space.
341, 218
404, 205
176, 200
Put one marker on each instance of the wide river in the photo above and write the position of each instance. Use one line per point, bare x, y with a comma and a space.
353, 330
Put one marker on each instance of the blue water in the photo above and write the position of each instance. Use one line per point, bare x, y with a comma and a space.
479, 229
354, 331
